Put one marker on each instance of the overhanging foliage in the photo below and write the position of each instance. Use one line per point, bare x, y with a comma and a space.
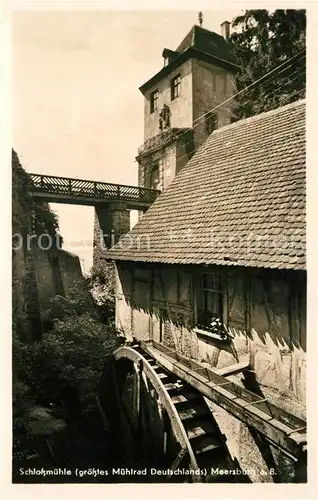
262, 41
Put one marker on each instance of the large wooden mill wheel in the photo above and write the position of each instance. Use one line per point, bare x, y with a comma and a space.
164, 423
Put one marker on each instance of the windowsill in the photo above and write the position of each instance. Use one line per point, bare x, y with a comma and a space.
210, 335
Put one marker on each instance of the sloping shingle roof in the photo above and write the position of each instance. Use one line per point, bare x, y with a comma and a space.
239, 201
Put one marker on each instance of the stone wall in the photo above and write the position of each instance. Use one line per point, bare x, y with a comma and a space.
170, 159
18, 279
70, 273
57, 272
111, 221
48, 276
39, 275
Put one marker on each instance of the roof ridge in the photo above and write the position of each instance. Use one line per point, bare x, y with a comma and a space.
193, 35
207, 30
260, 116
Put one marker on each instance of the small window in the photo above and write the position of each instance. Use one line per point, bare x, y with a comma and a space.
209, 301
166, 61
154, 98
154, 178
211, 122
175, 87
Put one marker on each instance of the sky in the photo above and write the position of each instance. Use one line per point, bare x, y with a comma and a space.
77, 110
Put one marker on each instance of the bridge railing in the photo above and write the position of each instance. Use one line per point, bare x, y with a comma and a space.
91, 189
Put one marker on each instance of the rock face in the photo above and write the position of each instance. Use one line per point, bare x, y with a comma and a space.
40, 268
40, 275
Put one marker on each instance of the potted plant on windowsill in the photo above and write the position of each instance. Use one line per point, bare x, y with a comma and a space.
212, 326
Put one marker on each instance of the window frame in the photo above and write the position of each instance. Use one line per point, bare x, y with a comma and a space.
154, 101
153, 173
211, 122
221, 291
175, 87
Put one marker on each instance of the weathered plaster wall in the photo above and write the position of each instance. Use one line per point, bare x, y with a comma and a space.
168, 165
170, 159
158, 303
133, 302
165, 158
258, 315
180, 108
124, 283
184, 150
145, 166
212, 85
203, 86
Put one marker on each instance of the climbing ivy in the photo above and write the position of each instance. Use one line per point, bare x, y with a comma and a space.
28, 215
21, 199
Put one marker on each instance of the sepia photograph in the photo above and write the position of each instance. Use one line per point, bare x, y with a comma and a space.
159, 284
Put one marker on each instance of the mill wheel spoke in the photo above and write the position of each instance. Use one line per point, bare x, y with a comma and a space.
175, 464
175, 424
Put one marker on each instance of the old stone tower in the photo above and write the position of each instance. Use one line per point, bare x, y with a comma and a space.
195, 78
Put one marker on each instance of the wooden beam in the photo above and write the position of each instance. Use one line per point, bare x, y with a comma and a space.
232, 369
177, 461
235, 403
250, 397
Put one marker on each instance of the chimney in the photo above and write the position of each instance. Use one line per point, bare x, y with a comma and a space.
225, 29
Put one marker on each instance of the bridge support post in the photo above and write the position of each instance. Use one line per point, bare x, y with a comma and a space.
111, 222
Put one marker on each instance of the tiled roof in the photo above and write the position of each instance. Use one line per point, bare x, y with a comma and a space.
240, 200
208, 42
